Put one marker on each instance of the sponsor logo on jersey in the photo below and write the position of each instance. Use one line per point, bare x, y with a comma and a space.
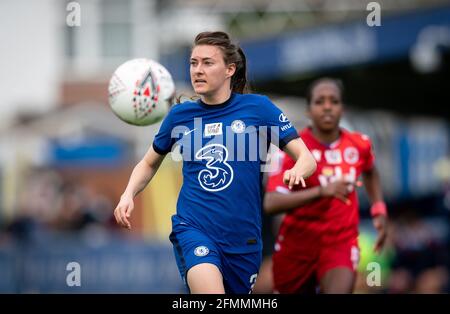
218, 174
283, 118
238, 126
286, 126
317, 154
212, 129
327, 171
351, 155
201, 251
331, 174
189, 131
333, 156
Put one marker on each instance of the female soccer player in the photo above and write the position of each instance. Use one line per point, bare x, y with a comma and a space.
317, 241
216, 232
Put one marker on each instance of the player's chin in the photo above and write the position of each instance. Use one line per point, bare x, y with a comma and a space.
200, 89
328, 126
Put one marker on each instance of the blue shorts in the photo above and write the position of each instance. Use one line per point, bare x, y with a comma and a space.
191, 247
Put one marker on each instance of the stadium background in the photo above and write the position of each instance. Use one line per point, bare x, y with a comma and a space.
65, 158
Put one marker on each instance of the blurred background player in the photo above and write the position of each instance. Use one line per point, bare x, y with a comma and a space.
216, 231
317, 241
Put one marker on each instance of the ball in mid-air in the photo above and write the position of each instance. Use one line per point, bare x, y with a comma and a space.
141, 91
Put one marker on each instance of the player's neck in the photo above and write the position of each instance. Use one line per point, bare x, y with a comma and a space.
326, 137
217, 98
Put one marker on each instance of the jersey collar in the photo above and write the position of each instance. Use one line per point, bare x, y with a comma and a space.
217, 106
332, 145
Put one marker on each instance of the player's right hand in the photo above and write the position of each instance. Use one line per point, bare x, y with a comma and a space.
339, 189
123, 211
293, 177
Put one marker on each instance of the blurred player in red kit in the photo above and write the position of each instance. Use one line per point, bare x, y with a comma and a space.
316, 248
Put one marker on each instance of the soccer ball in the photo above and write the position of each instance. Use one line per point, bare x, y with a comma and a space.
141, 91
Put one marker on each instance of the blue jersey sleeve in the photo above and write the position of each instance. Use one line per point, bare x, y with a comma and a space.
281, 129
163, 142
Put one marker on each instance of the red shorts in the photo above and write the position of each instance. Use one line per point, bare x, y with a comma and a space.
299, 266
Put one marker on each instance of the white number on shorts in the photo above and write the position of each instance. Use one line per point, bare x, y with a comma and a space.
252, 281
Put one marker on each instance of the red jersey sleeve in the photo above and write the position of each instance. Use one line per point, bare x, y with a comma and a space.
367, 153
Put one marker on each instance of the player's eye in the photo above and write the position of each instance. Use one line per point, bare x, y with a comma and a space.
335, 101
193, 62
318, 101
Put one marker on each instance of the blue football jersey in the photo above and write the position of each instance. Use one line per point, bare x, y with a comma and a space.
224, 148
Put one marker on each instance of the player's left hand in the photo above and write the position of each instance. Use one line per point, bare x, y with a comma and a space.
380, 224
293, 177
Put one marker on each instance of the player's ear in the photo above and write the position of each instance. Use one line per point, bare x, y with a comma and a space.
231, 69
308, 111
342, 109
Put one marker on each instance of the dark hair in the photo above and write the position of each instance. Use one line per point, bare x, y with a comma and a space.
314, 84
232, 53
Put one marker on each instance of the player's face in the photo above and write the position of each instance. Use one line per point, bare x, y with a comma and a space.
326, 106
209, 73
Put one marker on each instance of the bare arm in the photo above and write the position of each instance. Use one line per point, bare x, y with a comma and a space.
142, 174
372, 184
277, 203
305, 163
